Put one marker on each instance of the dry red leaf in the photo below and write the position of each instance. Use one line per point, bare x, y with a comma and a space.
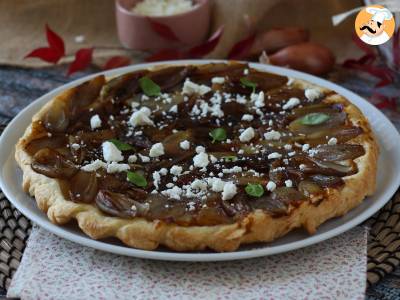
47, 54
242, 48
384, 102
53, 52
83, 58
385, 75
163, 30
117, 62
208, 46
166, 54
55, 41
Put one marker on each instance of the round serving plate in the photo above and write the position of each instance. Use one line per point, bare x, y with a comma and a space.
388, 179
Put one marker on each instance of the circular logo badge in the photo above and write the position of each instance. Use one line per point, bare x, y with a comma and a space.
375, 25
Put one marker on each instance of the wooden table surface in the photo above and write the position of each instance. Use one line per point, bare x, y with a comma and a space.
19, 87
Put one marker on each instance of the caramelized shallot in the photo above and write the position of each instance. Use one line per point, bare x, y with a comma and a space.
52, 164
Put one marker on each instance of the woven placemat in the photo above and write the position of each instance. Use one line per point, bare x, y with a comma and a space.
383, 241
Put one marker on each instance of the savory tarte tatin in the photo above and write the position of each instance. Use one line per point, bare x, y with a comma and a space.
197, 156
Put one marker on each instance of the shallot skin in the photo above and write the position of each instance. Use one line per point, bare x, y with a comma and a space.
275, 39
307, 57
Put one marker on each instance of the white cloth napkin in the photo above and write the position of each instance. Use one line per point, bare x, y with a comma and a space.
54, 268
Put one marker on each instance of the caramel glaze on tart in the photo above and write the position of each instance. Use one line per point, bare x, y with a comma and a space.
287, 140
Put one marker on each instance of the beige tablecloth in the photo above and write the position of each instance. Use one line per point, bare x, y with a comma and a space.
54, 268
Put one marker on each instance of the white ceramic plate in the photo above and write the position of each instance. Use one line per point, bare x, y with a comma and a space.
388, 181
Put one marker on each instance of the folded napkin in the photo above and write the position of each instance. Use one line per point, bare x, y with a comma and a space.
54, 268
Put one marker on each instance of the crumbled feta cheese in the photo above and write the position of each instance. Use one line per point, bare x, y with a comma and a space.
191, 206
75, 146
288, 183
136, 104
93, 166
116, 167
272, 135
246, 71
163, 171
176, 170
200, 149
271, 186
201, 160
259, 102
274, 155
111, 152
312, 94
190, 88
229, 191
157, 150
95, 122
156, 179
247, 135
132, 158
141, 117
332, 141
174, 109
305, 147
174, 193
185, 145
247, 117
288, 147
216, 184
291, 103
198, 184
144, 158
302, 167
218, 80
235, 169
213, 159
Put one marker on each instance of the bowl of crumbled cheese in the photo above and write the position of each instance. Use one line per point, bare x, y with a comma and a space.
159, 24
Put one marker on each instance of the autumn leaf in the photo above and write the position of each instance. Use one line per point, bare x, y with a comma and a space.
384, 102
242, 48
206, 47
365, 64
163, 30
385, 74
116, 62
83, 58
54, 51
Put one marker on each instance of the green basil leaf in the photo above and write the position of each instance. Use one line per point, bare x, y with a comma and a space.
121, 145
255, 190
149, 87
314, 119
230, 158
247, 83
136, 179
218, 134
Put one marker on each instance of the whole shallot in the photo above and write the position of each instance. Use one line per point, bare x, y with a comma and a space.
308, 57
277, 38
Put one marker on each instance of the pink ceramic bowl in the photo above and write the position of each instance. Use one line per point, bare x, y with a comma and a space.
135, 30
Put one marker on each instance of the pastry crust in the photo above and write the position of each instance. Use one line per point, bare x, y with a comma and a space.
258, 226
